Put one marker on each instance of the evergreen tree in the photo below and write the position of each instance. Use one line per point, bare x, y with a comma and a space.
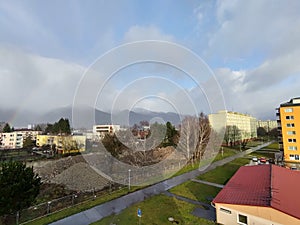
19, 186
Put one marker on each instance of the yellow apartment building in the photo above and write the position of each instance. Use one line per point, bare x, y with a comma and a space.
288, 118
64, 144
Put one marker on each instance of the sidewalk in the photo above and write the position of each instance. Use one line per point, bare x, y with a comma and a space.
208, 183
117, 205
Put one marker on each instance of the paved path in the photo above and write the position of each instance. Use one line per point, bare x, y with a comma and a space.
208, 183
117, 205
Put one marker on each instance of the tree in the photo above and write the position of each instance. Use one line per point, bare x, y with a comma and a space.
60, 127
171, 135
194, 136
7, 128
261, 132
189, 134
19, 186
28, 142
204, 135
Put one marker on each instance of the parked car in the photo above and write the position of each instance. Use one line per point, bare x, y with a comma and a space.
254, 159
262, 160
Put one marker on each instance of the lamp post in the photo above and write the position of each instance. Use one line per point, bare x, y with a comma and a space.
48, 208
129, 170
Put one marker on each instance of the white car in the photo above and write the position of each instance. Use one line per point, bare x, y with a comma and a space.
254, 159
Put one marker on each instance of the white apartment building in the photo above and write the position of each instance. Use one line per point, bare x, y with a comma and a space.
100, 131
13, 140
245, 123
268, 125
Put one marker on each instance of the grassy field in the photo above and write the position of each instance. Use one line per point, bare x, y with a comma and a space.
80, 207
227, 152
274, 146
222, 174
156, 211
196, 191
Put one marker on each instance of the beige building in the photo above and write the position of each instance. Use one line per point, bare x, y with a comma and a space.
268, 125
11, 140
15, 139
100, 131
262, 194
63, 144
245, 123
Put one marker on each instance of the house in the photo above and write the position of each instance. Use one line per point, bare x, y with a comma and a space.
262, 194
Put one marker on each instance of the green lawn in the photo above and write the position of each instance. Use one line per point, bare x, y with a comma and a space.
155, 211
196, 191
274, 146
80, 207
189, 167
222, 174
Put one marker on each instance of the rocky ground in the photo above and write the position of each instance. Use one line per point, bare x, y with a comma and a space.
73, 172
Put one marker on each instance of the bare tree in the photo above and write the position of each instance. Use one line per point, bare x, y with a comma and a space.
189, 134
204, 135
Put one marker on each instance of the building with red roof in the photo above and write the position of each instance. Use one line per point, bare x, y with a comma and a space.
262, 194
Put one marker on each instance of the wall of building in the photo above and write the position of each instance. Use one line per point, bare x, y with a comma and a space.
290, 132
255, 215
64, 144
246, 123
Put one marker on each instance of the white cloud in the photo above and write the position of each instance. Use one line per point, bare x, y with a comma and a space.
138, 33
247, 28
35, 82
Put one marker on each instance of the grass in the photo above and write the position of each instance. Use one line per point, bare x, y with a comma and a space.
227, 152
196, 191
274, 146
79, 208
222, 174
156, 210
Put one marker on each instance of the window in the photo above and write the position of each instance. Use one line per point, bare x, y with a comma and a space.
290, 125
288, 110
289, 117
292, 148
291, 132
296, 157
242, 219
291, 140
225, 210
292, 157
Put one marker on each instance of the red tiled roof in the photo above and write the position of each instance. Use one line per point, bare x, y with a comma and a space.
250, 185
263, 185
285, 190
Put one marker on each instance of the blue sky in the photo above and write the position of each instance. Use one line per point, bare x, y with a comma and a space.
253, 48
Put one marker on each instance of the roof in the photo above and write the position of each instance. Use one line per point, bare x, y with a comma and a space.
291, 102
263, 185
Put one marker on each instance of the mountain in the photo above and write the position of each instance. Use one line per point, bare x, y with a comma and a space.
84, 117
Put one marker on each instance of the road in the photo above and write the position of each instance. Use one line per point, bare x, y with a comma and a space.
117, 205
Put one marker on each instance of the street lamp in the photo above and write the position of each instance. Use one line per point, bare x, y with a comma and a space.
48, 208
129, 170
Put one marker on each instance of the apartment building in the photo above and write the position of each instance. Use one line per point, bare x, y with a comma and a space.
100, 131
11, 140
15, 139
245, 123
261, 194
288, 118
268, 125
63, 144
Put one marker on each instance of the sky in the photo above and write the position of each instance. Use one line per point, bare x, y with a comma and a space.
248, 50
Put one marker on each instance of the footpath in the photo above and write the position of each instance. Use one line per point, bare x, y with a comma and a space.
117, 205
